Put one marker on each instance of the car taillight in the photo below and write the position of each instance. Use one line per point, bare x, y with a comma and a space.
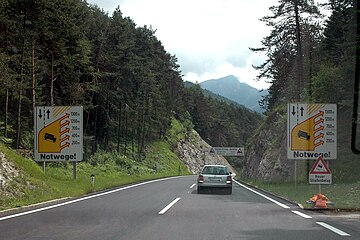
201, 179
228, 179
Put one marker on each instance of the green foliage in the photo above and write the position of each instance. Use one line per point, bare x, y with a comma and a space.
344, 196
291, 49
218, 122
110, 169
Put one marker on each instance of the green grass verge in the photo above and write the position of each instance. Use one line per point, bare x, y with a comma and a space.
345, 195
110, 169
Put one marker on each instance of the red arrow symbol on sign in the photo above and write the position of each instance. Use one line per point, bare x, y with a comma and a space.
321, 120
319, 129
319, 143
319, 136
65, 145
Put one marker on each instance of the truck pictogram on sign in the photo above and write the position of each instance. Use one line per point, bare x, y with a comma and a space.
58, 133
306, 136
54, 137
311, 131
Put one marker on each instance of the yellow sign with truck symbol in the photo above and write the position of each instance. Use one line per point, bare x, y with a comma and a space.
59, 133
312, 131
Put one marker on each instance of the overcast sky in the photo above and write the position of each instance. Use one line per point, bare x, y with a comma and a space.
211, 38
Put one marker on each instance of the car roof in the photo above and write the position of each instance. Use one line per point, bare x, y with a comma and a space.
214, 165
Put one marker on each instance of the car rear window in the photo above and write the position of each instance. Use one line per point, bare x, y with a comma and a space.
215, 170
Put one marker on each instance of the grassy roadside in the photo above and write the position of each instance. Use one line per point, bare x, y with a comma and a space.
345, 195
110, 169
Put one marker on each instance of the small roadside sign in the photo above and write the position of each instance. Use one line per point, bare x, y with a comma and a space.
58, 133
227, 151
320, 173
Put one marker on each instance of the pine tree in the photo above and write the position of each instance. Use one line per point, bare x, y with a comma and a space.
284, 49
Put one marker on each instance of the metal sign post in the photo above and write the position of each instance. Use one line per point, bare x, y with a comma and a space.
74, 170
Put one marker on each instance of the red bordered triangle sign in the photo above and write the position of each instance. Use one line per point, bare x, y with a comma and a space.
320, 167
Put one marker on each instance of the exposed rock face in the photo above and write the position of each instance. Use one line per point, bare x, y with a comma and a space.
8, 178
265, 157
192, 152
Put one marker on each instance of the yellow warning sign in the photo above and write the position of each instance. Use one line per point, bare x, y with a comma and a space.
312, 131
55, 136
307, 135
59, 133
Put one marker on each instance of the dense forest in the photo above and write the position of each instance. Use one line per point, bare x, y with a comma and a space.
68, 52
311, 58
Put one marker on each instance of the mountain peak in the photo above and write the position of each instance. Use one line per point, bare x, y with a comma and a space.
231, 88
229, 78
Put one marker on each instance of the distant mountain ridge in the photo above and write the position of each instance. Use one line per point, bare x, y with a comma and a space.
208, 93
230, 87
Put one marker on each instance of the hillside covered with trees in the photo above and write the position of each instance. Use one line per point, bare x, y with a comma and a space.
310, 59
59, 53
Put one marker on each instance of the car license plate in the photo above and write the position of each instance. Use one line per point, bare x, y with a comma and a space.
215, 179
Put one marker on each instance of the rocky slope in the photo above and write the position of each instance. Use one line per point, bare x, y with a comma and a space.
10, 178
264, 159
193, 152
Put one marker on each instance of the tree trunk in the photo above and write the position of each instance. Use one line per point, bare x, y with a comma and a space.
119, 129
299, 51
52, 81
6, 111
95, 143
18, 122
126, 129
33, 84
132, 142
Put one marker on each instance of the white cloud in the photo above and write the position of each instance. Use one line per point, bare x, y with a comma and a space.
211, 38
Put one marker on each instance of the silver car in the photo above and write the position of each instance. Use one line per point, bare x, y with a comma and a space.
214, 176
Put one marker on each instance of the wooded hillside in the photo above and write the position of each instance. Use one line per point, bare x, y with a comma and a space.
309, 61
67, 52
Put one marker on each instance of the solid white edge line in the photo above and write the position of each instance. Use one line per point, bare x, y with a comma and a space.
83, 198
193, 185
262, 195
302, 214
335, 230
169, 206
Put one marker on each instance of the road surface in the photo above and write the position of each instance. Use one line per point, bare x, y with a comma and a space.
171, 209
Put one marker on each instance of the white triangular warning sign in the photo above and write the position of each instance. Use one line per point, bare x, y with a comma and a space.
320, 167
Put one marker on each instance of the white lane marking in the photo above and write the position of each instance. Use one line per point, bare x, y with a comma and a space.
335, 230
302, 214
193, 185
262, 195
169, 206
83, 199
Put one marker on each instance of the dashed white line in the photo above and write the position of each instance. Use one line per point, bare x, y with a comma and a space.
192, 185
169, 206
302, 214
83, 199
335, 230
262, 195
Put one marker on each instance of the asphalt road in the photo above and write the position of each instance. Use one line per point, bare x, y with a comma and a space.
171, 209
